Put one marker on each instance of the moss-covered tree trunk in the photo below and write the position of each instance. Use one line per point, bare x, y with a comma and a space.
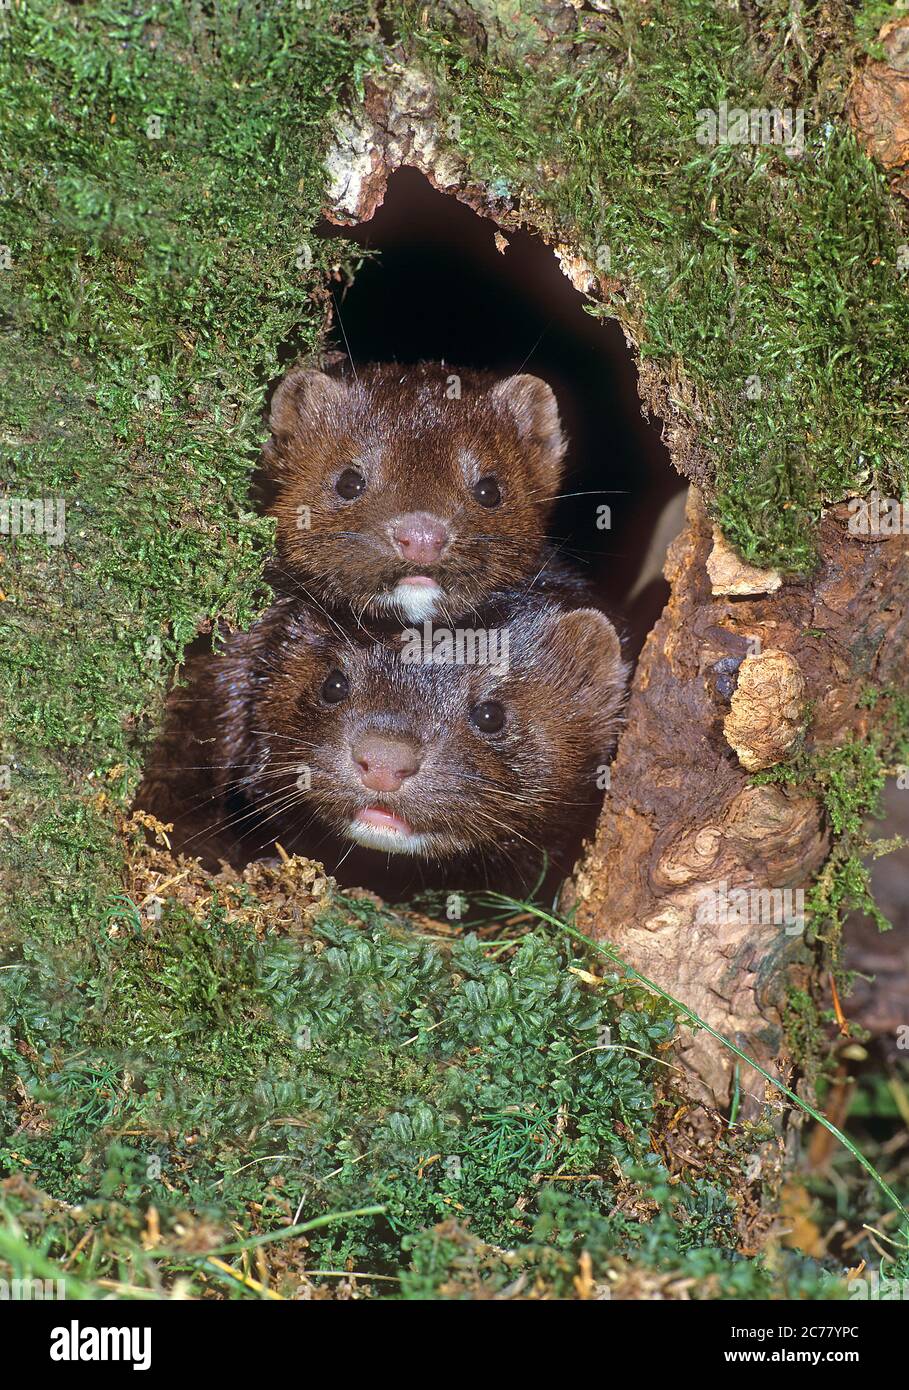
701, 874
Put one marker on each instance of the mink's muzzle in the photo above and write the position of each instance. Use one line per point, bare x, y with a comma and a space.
408, 745
384, 764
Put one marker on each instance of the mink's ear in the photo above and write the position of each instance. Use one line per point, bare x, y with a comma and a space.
532, 405
302, 400
586, 648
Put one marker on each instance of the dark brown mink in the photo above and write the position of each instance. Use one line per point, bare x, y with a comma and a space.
413, 492
395, 771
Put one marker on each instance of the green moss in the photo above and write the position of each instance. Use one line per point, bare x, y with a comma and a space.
153, 282
202, 1069
870, 16
807, 1027
737, 264
446, 1262
849, 780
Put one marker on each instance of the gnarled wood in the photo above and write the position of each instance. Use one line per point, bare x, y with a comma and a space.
683, 820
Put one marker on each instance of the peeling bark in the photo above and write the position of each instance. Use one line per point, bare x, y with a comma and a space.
730, 574
879, 105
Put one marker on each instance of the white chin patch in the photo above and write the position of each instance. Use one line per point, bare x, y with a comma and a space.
415, 601
385, 838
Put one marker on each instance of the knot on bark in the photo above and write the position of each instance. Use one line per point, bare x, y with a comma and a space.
767, 709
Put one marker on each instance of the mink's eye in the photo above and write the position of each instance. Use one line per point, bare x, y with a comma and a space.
336, 688
489, 717
487, 492
351, 484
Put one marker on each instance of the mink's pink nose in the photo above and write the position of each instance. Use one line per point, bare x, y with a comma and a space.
384, 763
420, 537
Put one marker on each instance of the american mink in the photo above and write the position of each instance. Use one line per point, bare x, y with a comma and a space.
413, 491
353, 752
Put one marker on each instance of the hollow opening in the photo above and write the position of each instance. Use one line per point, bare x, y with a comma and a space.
447, 284
442, 283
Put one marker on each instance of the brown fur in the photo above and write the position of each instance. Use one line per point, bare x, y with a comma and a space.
255, 717
419, 451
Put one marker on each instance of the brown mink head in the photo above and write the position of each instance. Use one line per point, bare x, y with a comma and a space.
412, 490
456, 760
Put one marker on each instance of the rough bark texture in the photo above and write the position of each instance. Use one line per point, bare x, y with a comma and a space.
683, 819
879, 105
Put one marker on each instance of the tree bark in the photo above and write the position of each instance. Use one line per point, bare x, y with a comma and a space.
683, 819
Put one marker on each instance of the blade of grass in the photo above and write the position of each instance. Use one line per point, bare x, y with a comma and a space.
286, 1232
